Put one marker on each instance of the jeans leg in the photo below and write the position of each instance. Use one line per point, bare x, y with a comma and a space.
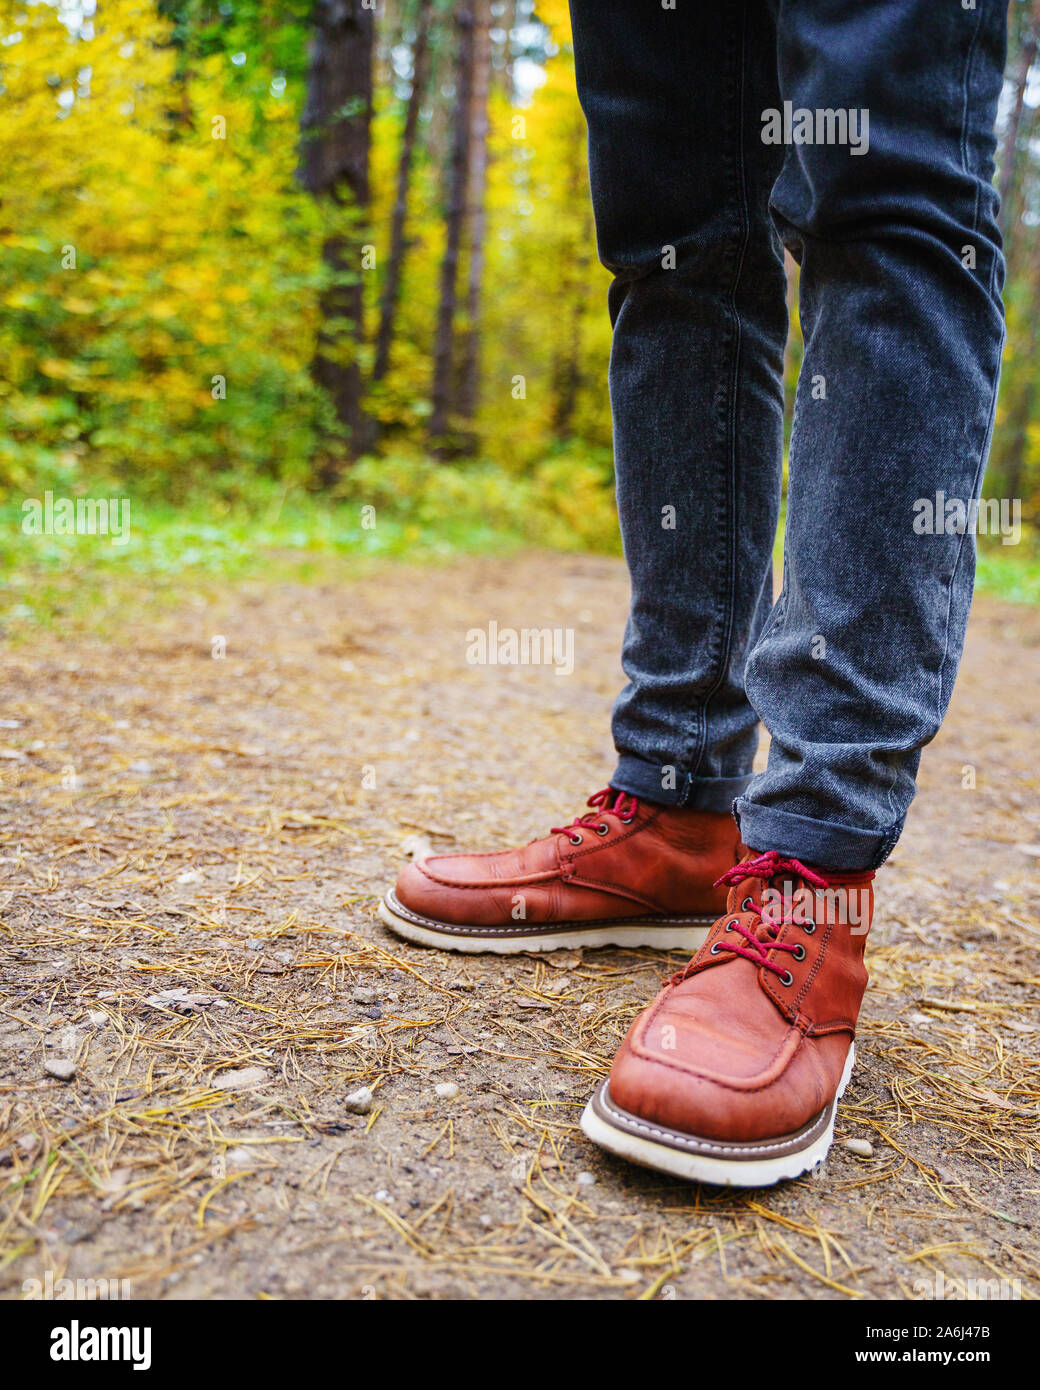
903, 329
680, 187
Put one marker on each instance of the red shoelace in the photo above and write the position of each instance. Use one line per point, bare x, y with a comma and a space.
757, 948
621, 804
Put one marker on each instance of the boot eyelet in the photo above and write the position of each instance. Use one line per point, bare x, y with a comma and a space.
787, 978
799, 953
808, 928
715, 949
732, 926
747, 904
602, 829
625, 820
576, 839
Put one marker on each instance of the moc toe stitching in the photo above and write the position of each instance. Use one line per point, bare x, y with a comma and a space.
750, 1086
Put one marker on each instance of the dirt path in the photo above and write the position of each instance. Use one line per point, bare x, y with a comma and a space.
176, 822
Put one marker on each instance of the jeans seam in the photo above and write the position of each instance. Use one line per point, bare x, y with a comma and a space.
969, 173
731, 434
965, 105
981, 464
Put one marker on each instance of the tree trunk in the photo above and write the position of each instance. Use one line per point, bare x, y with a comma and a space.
336, 130
444, 338
469, 386
1020, 399
508, 74
395, 261
1029, 34
566, 375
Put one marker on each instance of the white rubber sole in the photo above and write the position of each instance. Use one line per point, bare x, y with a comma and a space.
687, 934
663, 1150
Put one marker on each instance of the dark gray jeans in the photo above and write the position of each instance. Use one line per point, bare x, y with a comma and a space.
860, 136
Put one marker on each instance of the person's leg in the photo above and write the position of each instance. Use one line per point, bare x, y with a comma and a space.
680, 187
680, 184
733, 1074
901, 315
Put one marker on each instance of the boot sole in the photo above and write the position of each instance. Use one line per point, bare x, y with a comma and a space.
662, 933
758, 1164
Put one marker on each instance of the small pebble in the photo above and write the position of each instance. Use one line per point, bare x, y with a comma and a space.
383, 1196
239, 1080
374, 1012
417, 847
586, 1179
240, 1159
447, 1090
359, 1102
98, 1019
60, 1067
365, 994
863, 1148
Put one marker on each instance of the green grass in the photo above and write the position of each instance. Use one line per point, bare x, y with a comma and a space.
394, 509
48, 580
1010, 571
424, 513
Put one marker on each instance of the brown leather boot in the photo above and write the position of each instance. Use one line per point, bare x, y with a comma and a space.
625, 874
733, 1073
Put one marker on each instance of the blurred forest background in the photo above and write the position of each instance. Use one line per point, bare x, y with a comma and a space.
268, 263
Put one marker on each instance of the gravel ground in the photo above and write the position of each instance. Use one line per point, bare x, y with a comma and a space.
195, 984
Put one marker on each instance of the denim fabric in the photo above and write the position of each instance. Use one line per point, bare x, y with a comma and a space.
852, 668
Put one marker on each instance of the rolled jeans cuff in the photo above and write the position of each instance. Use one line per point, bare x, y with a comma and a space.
822, 843
645, 780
